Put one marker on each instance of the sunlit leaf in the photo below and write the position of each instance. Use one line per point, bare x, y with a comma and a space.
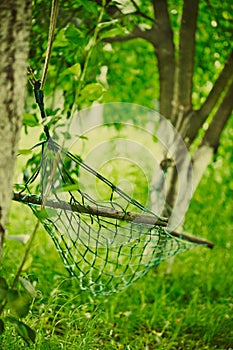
25, 151
19, 238
92, 91
30, 120
28, 286
110, 33
73, 70
126, 6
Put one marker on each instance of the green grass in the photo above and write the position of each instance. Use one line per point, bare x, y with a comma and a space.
190, 308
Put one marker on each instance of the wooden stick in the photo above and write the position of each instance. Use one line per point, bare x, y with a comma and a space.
143, 219
192, 239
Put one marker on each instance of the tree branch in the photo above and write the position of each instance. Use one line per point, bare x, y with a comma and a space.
210, 141
187, 53
144, 219
161, 37
219, 120
198, 117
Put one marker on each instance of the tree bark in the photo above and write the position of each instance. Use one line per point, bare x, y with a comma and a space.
15, 16
165, 52
187, 53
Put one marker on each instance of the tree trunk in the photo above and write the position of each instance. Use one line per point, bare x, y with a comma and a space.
15, 16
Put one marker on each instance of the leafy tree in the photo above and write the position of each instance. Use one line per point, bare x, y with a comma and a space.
175, 56
192, 43
177, 53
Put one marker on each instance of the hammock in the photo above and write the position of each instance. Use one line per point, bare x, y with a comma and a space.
106, 244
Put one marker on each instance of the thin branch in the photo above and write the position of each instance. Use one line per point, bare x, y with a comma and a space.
187, 53
140, 13
144, 219
21, 266
193, 239
26, 254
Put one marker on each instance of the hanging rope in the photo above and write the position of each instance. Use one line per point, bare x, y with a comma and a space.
52, 26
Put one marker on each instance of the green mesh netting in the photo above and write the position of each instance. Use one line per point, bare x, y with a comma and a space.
107, 245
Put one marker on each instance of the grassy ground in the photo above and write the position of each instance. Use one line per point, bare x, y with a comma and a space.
191, 308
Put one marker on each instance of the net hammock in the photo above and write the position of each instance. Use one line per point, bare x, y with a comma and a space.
107, 244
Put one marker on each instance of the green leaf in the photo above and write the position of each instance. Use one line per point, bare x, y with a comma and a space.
111, 33
1, 326
92, 92
42, 214
19, 303
28, 286
3, 289
73, 34
27, 333
73, 70
30, 120
25, 151
82, 137
61, 41
66, 135
46, 213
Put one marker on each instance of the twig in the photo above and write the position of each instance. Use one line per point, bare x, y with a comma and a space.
25, 254
20, 268
193, 239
